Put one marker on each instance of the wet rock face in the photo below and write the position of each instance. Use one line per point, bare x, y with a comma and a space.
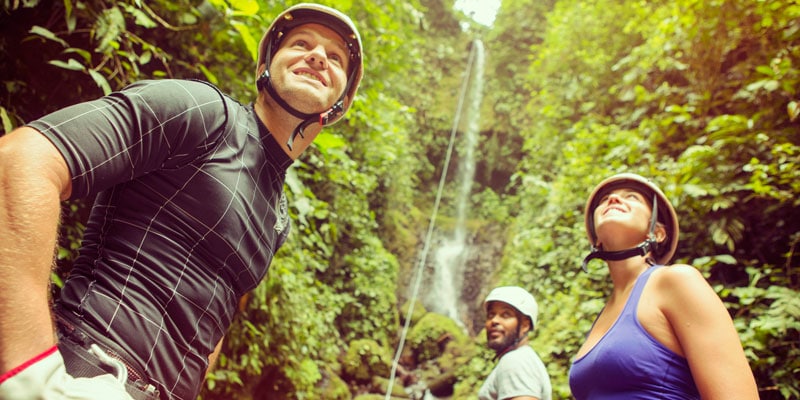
482, 256
483, 259
434, 379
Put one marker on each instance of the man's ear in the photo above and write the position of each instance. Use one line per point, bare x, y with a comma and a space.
525, 324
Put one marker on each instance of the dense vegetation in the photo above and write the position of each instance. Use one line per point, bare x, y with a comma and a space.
702, 96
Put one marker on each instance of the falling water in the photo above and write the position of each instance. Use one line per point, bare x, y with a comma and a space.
449, 259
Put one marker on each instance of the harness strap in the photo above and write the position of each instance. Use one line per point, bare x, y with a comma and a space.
85, 359
81, 363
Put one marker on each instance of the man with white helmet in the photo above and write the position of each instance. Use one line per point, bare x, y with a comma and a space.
189, 211
511, 315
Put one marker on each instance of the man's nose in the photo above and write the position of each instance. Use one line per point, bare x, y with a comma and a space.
316, 58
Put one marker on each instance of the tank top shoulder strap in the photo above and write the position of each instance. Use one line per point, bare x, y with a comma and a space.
638, 287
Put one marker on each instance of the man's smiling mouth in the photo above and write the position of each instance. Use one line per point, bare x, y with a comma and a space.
311, 76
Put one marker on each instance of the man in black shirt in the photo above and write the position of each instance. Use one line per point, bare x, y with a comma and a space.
189, 212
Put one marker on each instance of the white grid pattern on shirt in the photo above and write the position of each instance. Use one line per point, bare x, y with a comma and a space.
260, 199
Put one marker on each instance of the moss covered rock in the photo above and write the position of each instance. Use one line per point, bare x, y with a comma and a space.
332, 387
373, 396
430, 336
381, 385
416, 314
365, 358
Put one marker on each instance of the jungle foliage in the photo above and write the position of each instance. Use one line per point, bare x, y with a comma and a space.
701, 96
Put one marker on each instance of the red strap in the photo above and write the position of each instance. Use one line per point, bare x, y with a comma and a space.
28, 363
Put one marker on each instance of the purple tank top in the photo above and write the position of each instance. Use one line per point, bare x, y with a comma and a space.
628, 363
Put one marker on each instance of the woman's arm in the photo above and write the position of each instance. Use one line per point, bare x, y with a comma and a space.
706, 334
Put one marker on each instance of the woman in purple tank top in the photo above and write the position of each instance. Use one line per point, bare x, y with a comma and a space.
663, 332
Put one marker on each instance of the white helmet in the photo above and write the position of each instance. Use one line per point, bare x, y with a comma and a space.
518, 298
306, 13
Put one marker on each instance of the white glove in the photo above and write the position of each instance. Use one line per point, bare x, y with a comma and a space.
47, 378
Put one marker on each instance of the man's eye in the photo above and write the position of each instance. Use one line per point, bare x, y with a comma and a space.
301, 43
336, 57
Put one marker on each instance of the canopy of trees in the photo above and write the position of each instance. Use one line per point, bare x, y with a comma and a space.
701, 96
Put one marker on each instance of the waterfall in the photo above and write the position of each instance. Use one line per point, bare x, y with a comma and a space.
444, 295
445, 292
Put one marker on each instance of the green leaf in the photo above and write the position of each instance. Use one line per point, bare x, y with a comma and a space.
793, 109
245, 7
6, 120
56, 280
108, 28
45, 33
71, 64
726, 259
249, 41
69, 17
145, 57
208, 74
328, 141
140, 17
101, 81
765, 70
85, 54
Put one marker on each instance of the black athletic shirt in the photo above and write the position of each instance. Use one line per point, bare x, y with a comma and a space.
189, 212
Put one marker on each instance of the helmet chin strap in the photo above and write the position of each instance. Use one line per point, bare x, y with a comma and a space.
511, 346
265, 83
518, 337
649, 245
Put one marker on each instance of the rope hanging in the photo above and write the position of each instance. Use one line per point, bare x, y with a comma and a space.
432, 222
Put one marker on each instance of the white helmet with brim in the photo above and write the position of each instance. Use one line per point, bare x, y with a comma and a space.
306, 13
518, 298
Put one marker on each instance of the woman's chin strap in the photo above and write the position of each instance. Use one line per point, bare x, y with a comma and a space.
649, 245
640, 251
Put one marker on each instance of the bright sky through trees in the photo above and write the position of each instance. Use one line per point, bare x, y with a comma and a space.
482, 11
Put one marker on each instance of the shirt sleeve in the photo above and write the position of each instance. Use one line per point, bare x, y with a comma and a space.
519, 376
147, 126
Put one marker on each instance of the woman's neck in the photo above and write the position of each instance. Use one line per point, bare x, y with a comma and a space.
624, 272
